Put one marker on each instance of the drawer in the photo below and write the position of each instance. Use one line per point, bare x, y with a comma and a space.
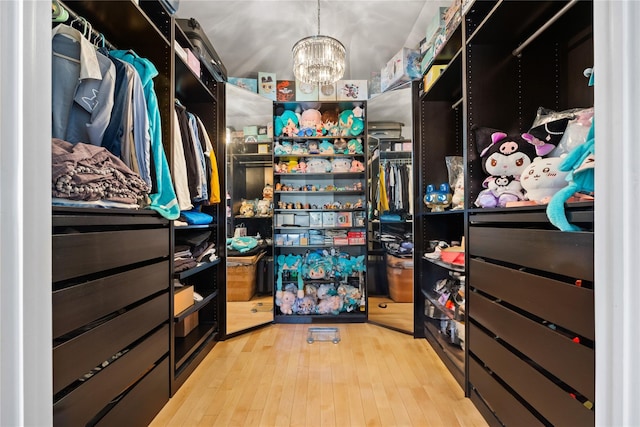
558, 302
555, 404
566, 253
79, 355
78, 254
143, 402
506, 407
81, 304
82, 404
572, 363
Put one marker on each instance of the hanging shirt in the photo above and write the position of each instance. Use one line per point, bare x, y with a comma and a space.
163, 200
214, 186
201, 162
82, 89
180, 167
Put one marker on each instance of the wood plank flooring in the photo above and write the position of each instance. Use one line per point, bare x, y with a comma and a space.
273, 377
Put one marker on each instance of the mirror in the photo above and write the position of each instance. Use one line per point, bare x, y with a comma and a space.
249, 118
390, 264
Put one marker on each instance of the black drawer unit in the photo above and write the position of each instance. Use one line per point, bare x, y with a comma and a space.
530, 304
111, 307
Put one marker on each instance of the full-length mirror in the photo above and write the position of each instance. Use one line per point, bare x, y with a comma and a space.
390, 283
249, 118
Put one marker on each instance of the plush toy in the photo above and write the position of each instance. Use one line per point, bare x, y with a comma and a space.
301, 167
263, 207
330, 305
542, 178
247, 208
318, 165
349, 124
282, 148
437, 199
340, 165
340, 146
457, 199
356, 166
286, 124
298, 148
286, 302
330, 123
310, 123
580, 165
504, 157
292, 165
312, 147
546, 136
267, 192
325, 291
304, 305
242, 244
326, 147
354, 146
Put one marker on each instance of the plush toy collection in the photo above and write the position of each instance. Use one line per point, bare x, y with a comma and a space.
324, 146
318, 165
313, 123
319, 282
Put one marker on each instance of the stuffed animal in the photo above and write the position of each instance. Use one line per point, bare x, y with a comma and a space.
437, 199
340, 165
312, 147
340, 146
457, 199
330, 305
326, 147
310, 123
247, 208
286, 302
330, 123
542, 178
282, 148
263, 207
349, 124
546, 136
354, 146
504, 157
318, 165
267, 192
356, 166
580, 165
286, 124
304, 305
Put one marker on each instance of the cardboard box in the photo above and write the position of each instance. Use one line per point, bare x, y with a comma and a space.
250, 131
306, 91
402, 68
327, 92
340, 241
186, 325
263, 148
286, 90
182, 299
432, 75
352, 90
436, 24
267, 85
249, 84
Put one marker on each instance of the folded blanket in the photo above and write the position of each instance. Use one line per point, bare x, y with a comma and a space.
87, 172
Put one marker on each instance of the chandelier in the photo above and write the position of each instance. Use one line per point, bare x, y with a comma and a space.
318, 59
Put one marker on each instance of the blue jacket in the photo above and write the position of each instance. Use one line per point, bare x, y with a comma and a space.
163, 199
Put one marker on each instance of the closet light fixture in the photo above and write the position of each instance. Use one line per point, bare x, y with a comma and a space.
318, 59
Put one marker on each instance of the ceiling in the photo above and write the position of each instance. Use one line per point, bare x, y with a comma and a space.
257, 35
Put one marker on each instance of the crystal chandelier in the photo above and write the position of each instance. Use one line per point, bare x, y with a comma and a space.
318, 59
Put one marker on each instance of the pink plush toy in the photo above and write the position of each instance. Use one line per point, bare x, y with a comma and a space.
310, 123
356, 166
286, 302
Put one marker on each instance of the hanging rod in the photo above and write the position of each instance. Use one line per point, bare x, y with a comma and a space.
518, 51
99, 37
457, 103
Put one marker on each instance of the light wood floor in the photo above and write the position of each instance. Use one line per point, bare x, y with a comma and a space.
246, 314
385, 311
273, 377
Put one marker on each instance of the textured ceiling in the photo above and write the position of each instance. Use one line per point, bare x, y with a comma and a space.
257, 35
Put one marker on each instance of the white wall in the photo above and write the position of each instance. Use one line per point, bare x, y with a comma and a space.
25, 219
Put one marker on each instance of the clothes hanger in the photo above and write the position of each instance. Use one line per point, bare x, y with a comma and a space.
59, 13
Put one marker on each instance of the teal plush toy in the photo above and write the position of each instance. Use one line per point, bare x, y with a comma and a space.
349, 124
286, 124
580, 163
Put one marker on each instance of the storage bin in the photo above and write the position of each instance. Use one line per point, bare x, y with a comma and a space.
400, 278
241, 277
